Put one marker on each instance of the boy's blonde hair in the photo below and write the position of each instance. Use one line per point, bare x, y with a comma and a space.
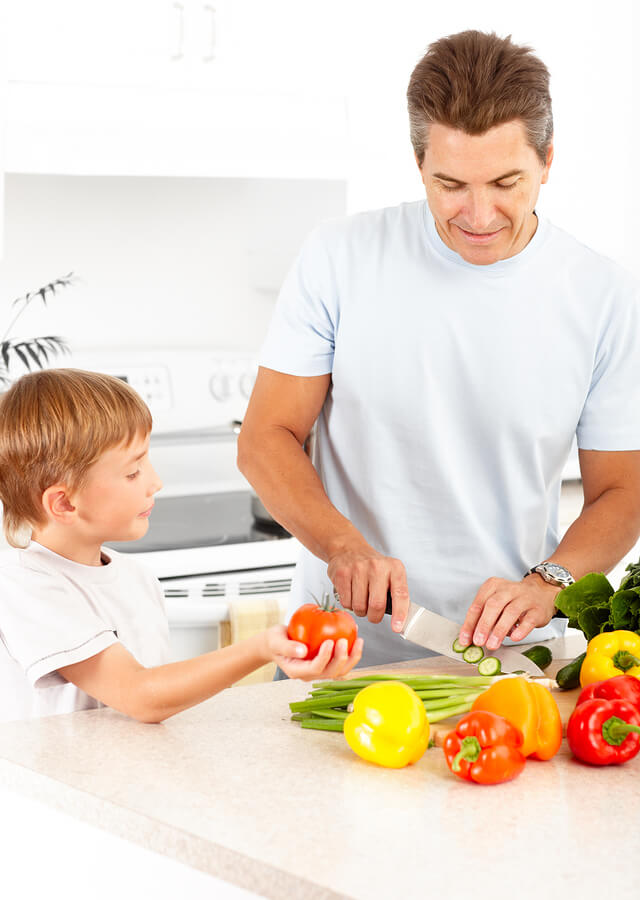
54, 424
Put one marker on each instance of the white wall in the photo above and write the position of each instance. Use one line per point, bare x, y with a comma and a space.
591, 50
195, 262
161, 261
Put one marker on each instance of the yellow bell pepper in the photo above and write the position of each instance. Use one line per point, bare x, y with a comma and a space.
611, 653
388, 725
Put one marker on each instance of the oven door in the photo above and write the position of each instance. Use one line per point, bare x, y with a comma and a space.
206, 612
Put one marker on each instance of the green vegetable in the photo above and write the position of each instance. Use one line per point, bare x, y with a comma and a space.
443, 696
458, 647
569, 676
473, 654
592, 605
490, 665
541, 656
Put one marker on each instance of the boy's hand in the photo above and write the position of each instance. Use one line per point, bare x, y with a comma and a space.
288, 656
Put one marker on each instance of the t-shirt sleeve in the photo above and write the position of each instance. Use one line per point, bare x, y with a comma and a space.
301, 336
609, 419
46, 623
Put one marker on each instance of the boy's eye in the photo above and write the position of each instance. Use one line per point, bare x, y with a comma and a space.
133, 475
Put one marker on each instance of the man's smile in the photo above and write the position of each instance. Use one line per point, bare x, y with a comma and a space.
478, 238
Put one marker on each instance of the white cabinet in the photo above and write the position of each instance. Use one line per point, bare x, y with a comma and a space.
172, 87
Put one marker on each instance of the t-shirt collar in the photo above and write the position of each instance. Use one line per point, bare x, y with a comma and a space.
503, 266
90, 574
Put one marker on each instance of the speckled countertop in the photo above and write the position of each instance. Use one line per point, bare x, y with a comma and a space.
233, 788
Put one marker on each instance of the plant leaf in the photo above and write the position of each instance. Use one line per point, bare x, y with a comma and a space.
591, 620
16, 349
33, 350
592, 590
622, 614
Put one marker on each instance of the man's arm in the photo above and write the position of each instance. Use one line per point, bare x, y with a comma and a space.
606, 529
280, 416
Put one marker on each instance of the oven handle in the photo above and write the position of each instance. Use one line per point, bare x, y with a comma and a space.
183, 614
228, 432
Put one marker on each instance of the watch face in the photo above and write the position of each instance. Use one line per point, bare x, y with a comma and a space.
559, 573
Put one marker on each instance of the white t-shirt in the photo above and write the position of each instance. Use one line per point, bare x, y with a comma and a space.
456, 392
54, 612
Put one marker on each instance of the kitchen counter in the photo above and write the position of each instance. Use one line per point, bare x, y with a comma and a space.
234, 789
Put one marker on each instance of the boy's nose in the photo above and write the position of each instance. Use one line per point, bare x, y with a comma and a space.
155, 484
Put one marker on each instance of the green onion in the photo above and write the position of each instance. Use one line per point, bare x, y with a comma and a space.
443, 696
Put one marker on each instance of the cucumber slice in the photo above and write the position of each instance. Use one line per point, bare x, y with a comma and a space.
458, 647
473, 654
490, 665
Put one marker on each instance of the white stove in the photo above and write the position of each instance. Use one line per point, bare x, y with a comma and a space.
203, 542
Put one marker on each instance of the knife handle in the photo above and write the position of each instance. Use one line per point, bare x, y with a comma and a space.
389, 607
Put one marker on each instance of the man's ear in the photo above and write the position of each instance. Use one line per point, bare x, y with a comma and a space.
57, 504
547, 165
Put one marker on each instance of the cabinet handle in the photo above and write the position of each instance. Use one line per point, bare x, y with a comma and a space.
179, 51
211, 55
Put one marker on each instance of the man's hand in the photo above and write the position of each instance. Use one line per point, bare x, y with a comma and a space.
362, 579
508, 608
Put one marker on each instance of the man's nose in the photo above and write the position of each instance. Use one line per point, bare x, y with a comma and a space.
480, 211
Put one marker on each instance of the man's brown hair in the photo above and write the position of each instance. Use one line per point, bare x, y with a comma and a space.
54, 424
473, 81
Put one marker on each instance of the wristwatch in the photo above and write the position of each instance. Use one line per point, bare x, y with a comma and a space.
553, 573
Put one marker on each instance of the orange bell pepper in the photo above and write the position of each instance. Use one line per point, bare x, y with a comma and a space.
530, 708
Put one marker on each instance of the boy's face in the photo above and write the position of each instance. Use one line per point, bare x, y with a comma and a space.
116, 500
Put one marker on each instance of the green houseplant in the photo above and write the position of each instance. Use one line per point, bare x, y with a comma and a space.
32, 352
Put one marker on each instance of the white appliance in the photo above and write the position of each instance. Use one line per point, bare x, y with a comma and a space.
203, 542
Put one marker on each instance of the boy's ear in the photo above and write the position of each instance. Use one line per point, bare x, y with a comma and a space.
57, 504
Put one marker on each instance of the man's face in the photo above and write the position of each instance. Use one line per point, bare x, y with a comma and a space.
482, 189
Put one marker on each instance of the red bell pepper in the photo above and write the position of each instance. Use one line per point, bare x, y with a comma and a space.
604, 732
620, 687
484, 748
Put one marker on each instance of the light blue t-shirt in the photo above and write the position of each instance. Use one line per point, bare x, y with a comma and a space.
456, 393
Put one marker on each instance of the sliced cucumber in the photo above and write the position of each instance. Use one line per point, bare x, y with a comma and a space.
473, 654
490, 665
458, 647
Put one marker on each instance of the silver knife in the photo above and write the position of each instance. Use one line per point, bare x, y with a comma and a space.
435, 632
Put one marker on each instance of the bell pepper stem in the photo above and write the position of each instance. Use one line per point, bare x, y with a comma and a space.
615, 730
469, 750
624, 660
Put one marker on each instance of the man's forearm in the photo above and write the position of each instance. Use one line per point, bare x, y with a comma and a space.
601, 535
282, 474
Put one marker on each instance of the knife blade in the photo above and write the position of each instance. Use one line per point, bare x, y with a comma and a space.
435, 632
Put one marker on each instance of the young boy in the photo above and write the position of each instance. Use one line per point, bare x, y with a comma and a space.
81, 626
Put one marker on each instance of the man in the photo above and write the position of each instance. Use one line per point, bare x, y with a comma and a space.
450, 351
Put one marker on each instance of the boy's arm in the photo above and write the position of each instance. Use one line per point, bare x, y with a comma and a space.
117, 679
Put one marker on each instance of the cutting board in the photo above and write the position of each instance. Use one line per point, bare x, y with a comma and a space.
440, 665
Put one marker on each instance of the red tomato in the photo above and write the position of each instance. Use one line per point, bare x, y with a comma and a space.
313, 623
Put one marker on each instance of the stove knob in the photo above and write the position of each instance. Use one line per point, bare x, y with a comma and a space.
220, 387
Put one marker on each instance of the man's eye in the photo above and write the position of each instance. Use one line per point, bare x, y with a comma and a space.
451, 187
506, 186
133, 475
